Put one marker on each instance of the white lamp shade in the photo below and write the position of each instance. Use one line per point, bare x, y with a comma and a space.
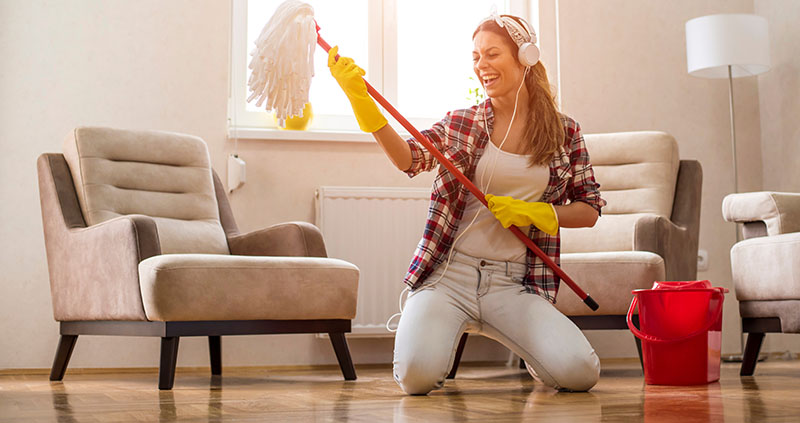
715, 42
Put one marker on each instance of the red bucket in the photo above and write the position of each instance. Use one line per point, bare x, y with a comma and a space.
681, 331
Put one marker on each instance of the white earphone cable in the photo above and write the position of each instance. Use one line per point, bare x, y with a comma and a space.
483, 188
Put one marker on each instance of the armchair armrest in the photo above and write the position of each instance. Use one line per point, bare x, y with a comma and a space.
93, 270
780, 211
673, 243
292, 239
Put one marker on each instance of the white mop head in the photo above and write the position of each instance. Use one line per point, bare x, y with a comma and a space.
282, 62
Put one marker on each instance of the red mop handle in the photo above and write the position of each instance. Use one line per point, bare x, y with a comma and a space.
472, 188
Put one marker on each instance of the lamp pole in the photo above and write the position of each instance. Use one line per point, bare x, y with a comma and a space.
735, 357
733, 145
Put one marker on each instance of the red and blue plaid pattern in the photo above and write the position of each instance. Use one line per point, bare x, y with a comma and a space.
461, 137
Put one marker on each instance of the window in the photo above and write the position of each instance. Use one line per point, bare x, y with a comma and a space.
417, 53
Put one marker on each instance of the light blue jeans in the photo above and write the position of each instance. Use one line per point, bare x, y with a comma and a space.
486, 297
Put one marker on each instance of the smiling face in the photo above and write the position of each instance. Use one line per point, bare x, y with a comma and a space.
495, 63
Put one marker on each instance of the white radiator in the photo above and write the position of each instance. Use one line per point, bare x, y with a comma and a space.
377, 229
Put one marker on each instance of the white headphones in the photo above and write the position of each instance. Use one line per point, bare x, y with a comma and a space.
522, 34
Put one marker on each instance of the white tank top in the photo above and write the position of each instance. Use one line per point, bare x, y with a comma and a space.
487, 238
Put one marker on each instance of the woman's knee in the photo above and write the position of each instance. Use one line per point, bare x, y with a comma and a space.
417, 378
575, 374
582, 375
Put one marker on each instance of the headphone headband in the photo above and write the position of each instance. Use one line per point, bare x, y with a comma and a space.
521, 33
518, 30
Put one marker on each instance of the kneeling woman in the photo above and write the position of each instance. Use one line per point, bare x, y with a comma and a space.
469, 273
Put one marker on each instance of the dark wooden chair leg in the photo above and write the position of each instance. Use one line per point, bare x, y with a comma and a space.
169, 358
751, 351
457, 359
215, 354
64, 351
639, 349
638, 341
343, 355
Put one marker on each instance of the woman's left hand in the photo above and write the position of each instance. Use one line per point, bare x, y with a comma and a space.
510, 211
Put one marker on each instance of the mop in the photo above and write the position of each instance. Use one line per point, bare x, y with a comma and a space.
282, 66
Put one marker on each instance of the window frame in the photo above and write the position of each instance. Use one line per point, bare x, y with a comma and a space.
383, 62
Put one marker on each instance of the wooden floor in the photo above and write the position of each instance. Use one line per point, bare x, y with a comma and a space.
480, 393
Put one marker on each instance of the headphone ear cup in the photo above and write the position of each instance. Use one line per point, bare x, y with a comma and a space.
528, 54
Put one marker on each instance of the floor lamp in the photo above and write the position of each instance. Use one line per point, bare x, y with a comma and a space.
732, 46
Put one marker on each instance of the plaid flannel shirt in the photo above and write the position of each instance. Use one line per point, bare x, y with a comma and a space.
461, 137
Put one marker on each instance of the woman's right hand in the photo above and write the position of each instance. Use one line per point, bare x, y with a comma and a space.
510, 211
350, 79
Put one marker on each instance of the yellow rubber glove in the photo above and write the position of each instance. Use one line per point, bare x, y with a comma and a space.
349, 76
510, 211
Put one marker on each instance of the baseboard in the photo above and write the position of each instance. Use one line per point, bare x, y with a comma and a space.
306, 367
190, 369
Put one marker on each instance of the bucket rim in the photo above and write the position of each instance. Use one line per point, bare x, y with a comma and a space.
719, 289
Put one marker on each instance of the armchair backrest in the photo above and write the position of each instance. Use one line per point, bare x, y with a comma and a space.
637, 172
164, 175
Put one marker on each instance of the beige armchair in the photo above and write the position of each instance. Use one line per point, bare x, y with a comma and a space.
141, 241
648, 231
765, 266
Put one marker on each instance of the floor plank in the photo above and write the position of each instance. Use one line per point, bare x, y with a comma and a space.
482, 393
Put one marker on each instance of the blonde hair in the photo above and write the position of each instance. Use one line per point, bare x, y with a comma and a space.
543, 127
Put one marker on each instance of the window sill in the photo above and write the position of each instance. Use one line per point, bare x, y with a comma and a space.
247, 133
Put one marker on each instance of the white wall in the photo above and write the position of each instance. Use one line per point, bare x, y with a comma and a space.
779, 96
164, 65
150, 64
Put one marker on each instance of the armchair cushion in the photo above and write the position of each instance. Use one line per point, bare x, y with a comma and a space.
163, 175
767, 268
612, 276
780, 211
189, 287
637, 172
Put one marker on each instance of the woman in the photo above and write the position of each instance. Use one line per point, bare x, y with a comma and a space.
468, 272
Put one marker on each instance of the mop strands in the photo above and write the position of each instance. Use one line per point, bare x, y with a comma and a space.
282, 62
283, 65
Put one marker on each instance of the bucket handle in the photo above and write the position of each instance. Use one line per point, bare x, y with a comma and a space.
646, 337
